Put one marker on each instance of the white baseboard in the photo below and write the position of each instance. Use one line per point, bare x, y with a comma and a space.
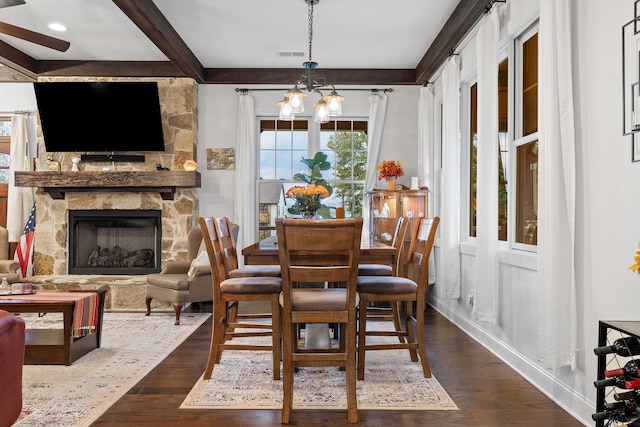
573, 403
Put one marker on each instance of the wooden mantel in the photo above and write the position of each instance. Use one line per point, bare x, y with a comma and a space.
58, 183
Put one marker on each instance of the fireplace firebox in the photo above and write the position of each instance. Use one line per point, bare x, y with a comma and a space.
115, 241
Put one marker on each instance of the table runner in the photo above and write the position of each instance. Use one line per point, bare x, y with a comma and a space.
85, 312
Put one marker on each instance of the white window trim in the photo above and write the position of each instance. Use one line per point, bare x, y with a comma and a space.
515, 124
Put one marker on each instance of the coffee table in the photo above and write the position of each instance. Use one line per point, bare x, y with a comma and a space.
54, 346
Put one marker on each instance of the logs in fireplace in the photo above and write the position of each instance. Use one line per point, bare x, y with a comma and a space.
114, 241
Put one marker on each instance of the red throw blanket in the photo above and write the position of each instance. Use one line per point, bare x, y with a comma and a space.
85, 313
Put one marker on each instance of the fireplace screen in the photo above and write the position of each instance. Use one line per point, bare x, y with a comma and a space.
115, 241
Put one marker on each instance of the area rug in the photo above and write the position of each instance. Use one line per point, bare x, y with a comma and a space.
244, 380
132, 345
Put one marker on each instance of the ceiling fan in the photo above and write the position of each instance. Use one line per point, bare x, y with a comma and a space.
28, 35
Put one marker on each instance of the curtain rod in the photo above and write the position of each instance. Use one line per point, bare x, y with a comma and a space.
245, 90
17, 112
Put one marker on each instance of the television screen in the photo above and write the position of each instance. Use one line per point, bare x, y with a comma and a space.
100, 116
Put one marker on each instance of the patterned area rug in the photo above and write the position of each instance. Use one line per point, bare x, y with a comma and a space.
244, 380
76, 395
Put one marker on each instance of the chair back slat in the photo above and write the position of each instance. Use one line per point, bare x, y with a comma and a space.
227, 244
417, 267
214, 252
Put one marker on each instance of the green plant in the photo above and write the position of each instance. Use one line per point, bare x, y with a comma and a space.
316, 165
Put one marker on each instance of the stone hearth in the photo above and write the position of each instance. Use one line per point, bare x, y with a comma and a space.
124, 293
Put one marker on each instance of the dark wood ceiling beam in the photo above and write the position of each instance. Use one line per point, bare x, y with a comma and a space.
461, 21
155, 26
288, 76
18, 60
109, 69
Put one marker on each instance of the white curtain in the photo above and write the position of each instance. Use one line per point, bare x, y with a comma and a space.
556, 188
377, 113
485, 305
245, 214
19, 199
426, 138
450, 197
425, 154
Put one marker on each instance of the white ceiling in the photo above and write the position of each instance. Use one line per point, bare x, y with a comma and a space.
243, 33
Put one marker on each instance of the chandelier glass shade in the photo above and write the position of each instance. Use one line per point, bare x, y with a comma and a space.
293, 102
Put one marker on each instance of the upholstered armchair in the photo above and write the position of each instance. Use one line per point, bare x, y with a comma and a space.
8, 267
182, 282
12, 337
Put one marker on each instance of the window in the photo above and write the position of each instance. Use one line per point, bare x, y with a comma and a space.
284, 143
473, 153
526, 140
5, 143
503, 148
345, 142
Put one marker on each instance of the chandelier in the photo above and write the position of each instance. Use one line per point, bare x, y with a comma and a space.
328, 106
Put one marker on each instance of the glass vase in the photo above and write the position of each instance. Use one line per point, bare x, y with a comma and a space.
308, 214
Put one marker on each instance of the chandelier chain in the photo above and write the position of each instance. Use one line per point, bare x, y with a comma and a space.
310, 2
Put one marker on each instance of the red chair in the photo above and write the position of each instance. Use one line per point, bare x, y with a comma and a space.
11, 360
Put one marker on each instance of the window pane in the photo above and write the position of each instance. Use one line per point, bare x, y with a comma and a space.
267, 161
5, 127
530, 86
527, 194
503, 144
473, 158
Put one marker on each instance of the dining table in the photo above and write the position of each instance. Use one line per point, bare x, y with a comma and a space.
265, 252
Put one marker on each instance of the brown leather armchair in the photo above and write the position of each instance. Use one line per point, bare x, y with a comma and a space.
8, 267
11, 360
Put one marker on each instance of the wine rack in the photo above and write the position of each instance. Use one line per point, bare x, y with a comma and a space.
609, 331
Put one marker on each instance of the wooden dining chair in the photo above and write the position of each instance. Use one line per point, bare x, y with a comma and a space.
315, 251
230, 255
384, 269
226, 293
406, 290
391, 313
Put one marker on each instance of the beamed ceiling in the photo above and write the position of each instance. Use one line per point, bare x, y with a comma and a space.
242, 42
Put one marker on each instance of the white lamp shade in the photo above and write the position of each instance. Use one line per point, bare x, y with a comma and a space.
334, 103
322, 113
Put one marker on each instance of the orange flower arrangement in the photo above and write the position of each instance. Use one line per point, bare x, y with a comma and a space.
390, 169
308, 198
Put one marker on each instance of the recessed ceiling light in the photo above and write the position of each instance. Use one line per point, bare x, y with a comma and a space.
57, 27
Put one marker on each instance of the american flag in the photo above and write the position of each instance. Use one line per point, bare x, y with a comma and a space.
24, 250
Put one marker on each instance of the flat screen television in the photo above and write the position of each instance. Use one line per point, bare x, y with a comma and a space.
100, 116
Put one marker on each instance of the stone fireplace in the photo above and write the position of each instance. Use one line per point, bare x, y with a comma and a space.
116, 187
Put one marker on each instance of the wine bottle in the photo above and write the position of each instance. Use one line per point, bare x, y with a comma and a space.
627, 346
620, 382
626, 413
628, 395
630, 370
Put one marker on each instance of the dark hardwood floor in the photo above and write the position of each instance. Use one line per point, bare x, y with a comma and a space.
488, 392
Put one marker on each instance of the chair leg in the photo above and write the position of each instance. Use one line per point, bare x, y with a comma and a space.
421, 345
217, 337
352, 402
276, 336
410, 332
178, 309
233, 315
147, 301
289, 335
362, 336
395, 309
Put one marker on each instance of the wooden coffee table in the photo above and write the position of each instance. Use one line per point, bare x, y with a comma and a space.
55, 346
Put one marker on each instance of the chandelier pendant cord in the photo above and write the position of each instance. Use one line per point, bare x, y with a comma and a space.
310, 28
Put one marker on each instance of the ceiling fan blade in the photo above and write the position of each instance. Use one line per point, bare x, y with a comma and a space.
33, 37
8, 3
